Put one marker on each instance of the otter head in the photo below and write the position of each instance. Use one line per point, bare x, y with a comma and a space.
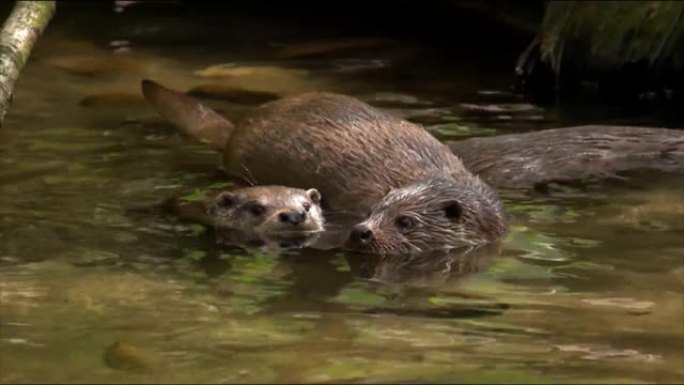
435, 213
268, 210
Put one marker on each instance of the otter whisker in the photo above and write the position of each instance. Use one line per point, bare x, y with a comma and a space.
250, 178
341, 211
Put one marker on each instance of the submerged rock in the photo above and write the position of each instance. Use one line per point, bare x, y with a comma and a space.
95, 64
111, 99
124, 356
231, 70
326, 46
83, 257
262, 79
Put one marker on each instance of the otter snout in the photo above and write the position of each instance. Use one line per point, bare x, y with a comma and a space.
292, 217
361, 235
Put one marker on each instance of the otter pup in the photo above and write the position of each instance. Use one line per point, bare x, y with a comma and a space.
355, 155
271, 210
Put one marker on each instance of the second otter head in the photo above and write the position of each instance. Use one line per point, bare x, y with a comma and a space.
436, 213
268, 210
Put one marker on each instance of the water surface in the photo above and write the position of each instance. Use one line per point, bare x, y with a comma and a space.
588, 286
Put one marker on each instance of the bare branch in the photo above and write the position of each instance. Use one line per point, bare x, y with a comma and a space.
20, 32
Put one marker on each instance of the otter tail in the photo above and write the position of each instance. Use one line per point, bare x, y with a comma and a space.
195, 119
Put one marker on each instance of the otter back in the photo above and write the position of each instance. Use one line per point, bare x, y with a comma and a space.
352, 152
571, 153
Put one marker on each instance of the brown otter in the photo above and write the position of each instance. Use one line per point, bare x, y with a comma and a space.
310, 133
268, 210
416, 217
360, 158
571, 153
268, 217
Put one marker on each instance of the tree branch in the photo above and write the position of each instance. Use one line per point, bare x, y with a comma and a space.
20, 32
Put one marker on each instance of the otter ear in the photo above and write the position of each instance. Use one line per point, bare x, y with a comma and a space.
314, 194
226, 200
452, 210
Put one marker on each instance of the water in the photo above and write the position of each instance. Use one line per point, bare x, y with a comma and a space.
587, 288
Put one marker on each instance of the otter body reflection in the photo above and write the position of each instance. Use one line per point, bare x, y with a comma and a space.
425, 275
430, 269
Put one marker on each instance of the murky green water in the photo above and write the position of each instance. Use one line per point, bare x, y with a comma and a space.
588, 286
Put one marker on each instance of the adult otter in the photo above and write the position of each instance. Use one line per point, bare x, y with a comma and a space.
360, 158
340, 144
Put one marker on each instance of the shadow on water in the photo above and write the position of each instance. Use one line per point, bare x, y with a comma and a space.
97, 287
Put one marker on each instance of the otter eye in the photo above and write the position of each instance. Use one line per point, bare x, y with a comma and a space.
404, 223
306, 206
257, 209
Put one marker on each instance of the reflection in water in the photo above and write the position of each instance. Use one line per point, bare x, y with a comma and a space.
425, 269
271, 243
426, 272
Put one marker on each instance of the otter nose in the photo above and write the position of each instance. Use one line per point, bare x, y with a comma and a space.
292, 217
361, 234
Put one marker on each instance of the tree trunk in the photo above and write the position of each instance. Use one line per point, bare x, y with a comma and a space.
20, 32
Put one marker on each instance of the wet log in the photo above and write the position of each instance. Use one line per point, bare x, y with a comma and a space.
20, 32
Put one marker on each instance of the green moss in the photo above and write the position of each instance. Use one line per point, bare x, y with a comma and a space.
195, 255
358, 295
196, 196
604, 35
197, 229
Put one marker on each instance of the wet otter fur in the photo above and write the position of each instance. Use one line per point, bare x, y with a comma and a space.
413, 218
355, 155
268, 210
417, 195
571, 153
